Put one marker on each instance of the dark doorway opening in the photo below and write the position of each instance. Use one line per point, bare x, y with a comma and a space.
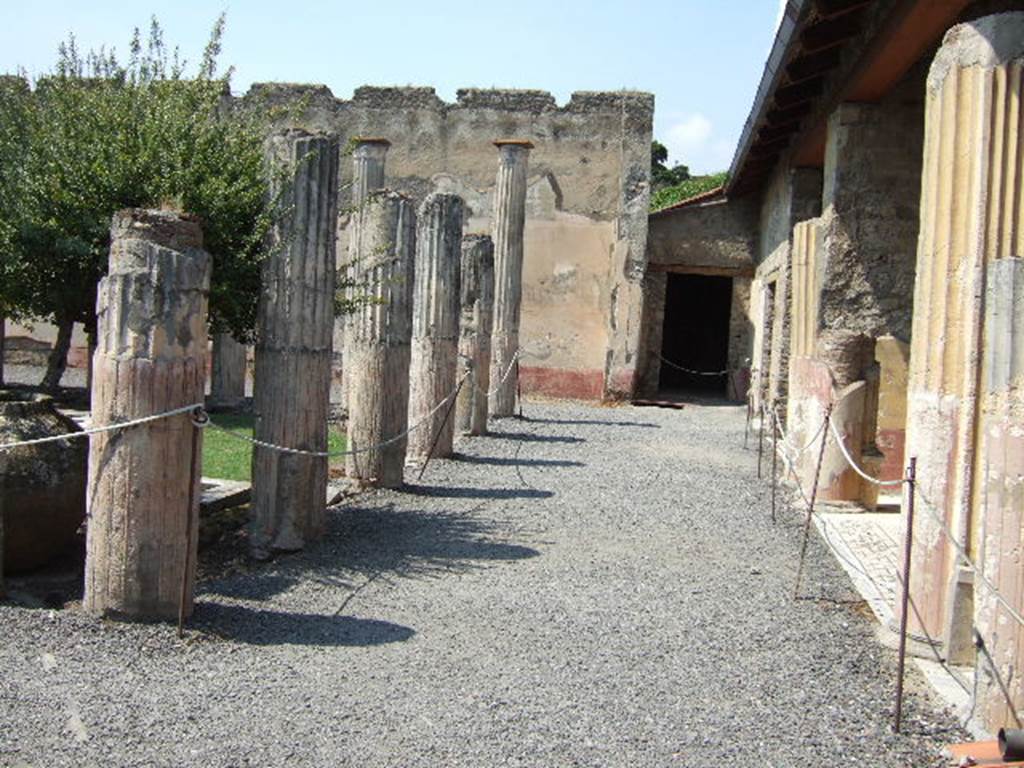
695, 335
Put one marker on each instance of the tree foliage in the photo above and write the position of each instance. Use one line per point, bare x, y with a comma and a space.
96, 136
661, 175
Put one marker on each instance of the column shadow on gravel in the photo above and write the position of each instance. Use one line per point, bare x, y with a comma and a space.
467, 492
533, 437
260, 589
365, 544
505, 461
262, 627
594, 422
383, 542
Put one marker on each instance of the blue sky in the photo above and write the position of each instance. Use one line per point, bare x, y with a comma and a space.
701, 58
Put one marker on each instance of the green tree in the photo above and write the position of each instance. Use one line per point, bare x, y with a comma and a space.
14, 105
97, 136
661, 175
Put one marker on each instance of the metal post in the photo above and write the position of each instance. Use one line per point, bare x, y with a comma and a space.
440, 429
905, 600
810, 506
760, 441
746, 430
775, 458
519, 389
188, 531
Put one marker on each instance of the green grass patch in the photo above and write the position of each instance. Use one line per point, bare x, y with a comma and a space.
226, 458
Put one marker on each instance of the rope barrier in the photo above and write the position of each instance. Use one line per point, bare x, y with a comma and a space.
691, 371
108, 428
785, 436
853, 464
930, 508
338, 454
504, 377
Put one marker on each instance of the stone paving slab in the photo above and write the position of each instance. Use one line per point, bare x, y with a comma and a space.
869, 547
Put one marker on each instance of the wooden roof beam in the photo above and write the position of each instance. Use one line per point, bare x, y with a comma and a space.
770, 133
780, 116
830, 32
828, 8
798, 93
813, 64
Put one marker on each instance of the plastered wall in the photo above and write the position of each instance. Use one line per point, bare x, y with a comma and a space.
586, 205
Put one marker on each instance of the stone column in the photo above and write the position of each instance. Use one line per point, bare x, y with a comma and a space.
477, 278
368, 155
966, 377
227, 372
150, 358
295, 319
509, 225
435, 325
377, 337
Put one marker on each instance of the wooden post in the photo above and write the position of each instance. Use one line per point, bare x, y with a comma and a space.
293, 355
227, 372
435, 325
150, 358
377, 337
477, 281
509, 226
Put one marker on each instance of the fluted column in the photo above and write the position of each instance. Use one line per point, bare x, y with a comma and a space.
966, 378
227, 372
509, 225
477, 315
293, 348
377, 337
368, 156
435, 325
150, 358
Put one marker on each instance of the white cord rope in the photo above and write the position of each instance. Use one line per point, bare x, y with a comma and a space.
853, 464
338, 454
930, 508
690, 370
504, 377
785, 436
107, 428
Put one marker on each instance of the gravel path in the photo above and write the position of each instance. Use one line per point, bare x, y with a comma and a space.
33, 374
591, 586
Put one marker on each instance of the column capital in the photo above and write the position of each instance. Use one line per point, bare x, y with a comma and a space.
366, 141
986, 42
519, 143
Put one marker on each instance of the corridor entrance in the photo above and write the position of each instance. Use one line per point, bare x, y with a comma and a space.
695, 334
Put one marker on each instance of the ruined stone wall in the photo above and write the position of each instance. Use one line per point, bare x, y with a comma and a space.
716, 238
719, 235
870, 212
793, 195
587, 204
